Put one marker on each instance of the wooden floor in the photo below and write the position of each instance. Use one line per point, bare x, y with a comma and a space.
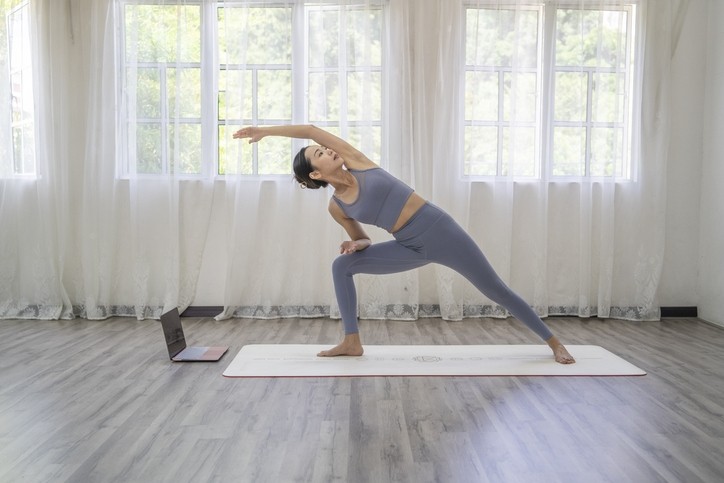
85, 401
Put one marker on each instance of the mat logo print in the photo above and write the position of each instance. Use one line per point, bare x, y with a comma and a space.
427, 359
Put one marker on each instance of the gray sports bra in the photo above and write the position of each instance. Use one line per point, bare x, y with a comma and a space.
380, 200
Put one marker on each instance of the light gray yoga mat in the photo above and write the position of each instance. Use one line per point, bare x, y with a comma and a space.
299, 360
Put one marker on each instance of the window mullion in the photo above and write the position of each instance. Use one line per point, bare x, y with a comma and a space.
300, 78
209, 79
501, 120
548, 71
589, 119
254, 118
164, 118
342, 73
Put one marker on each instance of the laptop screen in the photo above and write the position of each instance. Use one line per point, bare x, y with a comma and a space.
171, 322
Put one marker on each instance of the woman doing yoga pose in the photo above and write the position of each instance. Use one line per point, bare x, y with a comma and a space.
365, 193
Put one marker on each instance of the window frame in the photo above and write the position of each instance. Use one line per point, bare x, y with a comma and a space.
545, 103
124, 160
500, 123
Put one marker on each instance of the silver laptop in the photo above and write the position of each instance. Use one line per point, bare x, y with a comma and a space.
176, 342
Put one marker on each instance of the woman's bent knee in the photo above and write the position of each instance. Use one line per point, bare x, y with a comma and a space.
341, 265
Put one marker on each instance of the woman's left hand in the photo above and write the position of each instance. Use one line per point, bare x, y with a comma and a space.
253, 133
348, 247
353, 246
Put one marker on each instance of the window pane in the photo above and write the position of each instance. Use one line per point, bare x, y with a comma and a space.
364, 96
480, 30
23, 149
364, 37
235, 157
500, 37
17, 149
255, 35
16, 95
606, 152
186, 150
184, 91
591, 38
28, 157
569, 151
147, 89
323, 97
571, 97
481, 96
275, 156
28, 100
519, 150
520, 97
481, 151
323, 38
608, 98
148, 149
163, 33
235, 100
274, 94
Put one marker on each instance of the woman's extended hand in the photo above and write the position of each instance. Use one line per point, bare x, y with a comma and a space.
353, 246
253, 133
348, 247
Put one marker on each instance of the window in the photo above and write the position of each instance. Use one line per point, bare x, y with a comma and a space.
502, 79
548, 89
161, 81
255, 86
193, 73
21, 111
592, 93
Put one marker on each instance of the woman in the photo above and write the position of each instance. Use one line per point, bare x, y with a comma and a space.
364, 192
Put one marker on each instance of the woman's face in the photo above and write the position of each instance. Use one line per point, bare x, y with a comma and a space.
323, 160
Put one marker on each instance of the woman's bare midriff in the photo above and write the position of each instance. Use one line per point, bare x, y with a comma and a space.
413, 204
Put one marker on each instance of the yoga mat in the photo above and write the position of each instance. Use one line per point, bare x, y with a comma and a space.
295, 360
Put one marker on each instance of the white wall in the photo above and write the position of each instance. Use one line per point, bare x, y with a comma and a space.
711, 252
681, 260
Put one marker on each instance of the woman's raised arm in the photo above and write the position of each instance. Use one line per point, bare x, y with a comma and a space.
353, 158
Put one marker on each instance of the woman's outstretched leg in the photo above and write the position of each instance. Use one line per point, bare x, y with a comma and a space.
451, 246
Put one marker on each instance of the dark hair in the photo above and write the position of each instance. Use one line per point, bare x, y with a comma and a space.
302, 167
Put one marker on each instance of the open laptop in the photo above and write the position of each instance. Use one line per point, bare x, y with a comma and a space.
176, 342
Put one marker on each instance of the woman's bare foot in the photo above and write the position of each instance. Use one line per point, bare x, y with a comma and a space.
350, 346
560, 352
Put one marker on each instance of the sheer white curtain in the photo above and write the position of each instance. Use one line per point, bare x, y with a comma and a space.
32, 204
113, 217
85, 233
145, 200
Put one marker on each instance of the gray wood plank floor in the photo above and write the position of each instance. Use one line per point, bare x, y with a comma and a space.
85, 401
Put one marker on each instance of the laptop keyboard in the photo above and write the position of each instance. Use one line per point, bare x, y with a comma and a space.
192, 352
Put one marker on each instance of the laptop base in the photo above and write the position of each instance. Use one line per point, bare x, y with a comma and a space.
200, 354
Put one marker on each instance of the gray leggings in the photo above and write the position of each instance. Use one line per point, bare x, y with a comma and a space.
431, 235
